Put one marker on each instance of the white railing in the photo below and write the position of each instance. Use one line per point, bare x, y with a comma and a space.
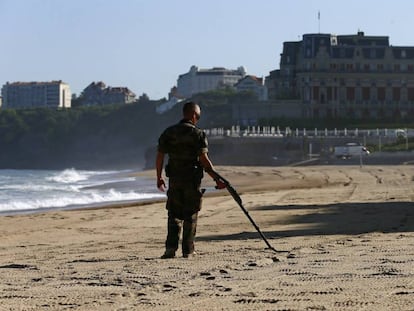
275, 131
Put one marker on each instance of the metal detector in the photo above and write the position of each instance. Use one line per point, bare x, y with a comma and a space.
238, 199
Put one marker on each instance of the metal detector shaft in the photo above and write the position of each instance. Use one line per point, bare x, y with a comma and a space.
238, 199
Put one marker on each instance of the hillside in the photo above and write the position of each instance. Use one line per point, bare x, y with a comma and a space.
114, 136
82, 138
93, 137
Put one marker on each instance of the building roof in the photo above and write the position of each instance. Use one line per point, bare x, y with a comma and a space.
101, 87
121, 90
343, 47
18, 83
194, 70
250, 77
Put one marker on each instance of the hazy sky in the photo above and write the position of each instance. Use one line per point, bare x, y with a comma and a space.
145, 45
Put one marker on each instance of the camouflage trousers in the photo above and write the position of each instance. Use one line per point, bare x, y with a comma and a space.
183, 205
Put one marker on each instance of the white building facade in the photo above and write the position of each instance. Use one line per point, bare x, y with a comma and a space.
203, 80
54, 94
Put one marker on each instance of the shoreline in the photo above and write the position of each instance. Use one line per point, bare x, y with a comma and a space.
26, 191
347, 234
95, 206
230, 172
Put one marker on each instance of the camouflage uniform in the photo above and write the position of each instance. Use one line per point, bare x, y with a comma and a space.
183, 143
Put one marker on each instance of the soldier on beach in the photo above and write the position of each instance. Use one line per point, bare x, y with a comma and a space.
187, 147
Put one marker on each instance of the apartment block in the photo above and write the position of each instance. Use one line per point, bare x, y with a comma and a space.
203, 80
54, 94
355, 76
98, 94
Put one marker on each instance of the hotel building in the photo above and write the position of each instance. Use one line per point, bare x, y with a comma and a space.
54, 94
354, 76
203, 80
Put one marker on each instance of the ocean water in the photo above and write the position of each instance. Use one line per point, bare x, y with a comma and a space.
36, 190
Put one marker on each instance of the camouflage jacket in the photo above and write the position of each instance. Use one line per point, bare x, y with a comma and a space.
184, 143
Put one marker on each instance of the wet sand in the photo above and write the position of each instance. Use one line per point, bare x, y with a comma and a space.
345, 237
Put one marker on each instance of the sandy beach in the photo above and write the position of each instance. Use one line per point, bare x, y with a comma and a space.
344, 235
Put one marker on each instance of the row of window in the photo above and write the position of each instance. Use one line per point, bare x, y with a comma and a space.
364, 93
351, 67
365, 113
370, 67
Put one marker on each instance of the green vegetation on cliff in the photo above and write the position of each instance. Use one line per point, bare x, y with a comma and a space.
87, 136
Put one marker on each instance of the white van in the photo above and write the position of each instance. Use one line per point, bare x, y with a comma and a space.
350, 150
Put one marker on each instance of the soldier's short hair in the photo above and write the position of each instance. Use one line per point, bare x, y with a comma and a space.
189, 107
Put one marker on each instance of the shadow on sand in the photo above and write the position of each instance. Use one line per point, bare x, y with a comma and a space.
341, 218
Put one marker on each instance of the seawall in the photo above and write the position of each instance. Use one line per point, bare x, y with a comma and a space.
279, 151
